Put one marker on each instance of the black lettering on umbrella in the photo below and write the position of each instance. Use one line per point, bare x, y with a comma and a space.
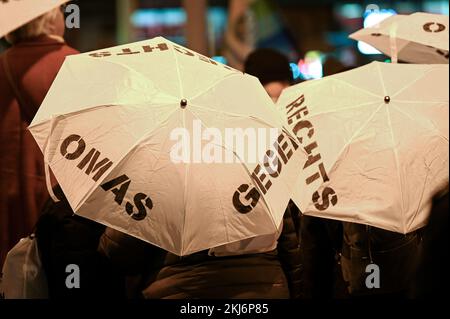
443, 53
142, 211
119, 192
160, 47
252, 195
272, 164
127, 51
427, 27
259, 177
91, 158
69, 140
326, 193
294, 112
101, 54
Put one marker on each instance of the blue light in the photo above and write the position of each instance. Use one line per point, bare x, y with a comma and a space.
351, 10
439, 7
371, 19
220, 59
295, 71
374, 17
157, 17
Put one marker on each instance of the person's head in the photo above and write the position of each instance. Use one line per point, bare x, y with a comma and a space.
50, 23
271, 68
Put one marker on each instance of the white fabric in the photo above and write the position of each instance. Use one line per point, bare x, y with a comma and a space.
125, 105
15, 13
384, 161
419, 37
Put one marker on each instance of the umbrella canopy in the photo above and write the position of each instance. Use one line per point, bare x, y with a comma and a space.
14, 13
377, 139
128, 132
416, 38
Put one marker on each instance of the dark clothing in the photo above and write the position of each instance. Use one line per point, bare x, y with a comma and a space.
268, 65
33, 65
320, 244
289, 250
396, 256
165, 275
64, 239
432, 279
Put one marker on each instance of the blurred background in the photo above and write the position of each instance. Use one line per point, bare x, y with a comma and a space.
312, 33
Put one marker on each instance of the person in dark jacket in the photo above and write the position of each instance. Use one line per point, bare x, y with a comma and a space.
431, 277
27, 69
395, 256
65, 241
321, 245
272, 274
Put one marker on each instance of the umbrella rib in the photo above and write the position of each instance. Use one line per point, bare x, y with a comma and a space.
412, 82
177, 67
310, 116
333, 167
223, 212
186, 173
215, 84
420, 122
132, 147
246, 170
355, 87
399, 180
420, 202
239, 115
186, 170
75, 113
381, 79
420, 102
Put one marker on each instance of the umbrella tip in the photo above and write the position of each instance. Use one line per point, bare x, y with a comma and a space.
387, 99
183, 103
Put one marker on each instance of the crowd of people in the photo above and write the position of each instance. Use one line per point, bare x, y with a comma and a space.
313, 258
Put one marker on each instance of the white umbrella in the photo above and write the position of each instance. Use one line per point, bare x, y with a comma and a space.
377, 138
15, 13
416, 38
110, 129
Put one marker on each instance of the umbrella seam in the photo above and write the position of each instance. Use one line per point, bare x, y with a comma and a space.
255, 118
399, 180
434, 128
67, 115
215, 84
333, 167
420, 202
186, 173
380, 74
177, 67
126, 153
353, 86
419, 77
249, 174
215, 186
310, 116
186, 170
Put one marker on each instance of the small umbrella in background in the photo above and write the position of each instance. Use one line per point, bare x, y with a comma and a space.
377, 139
106, 129
14, 13
416, 38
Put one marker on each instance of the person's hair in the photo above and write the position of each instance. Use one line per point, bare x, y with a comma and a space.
36, 27
268, 65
